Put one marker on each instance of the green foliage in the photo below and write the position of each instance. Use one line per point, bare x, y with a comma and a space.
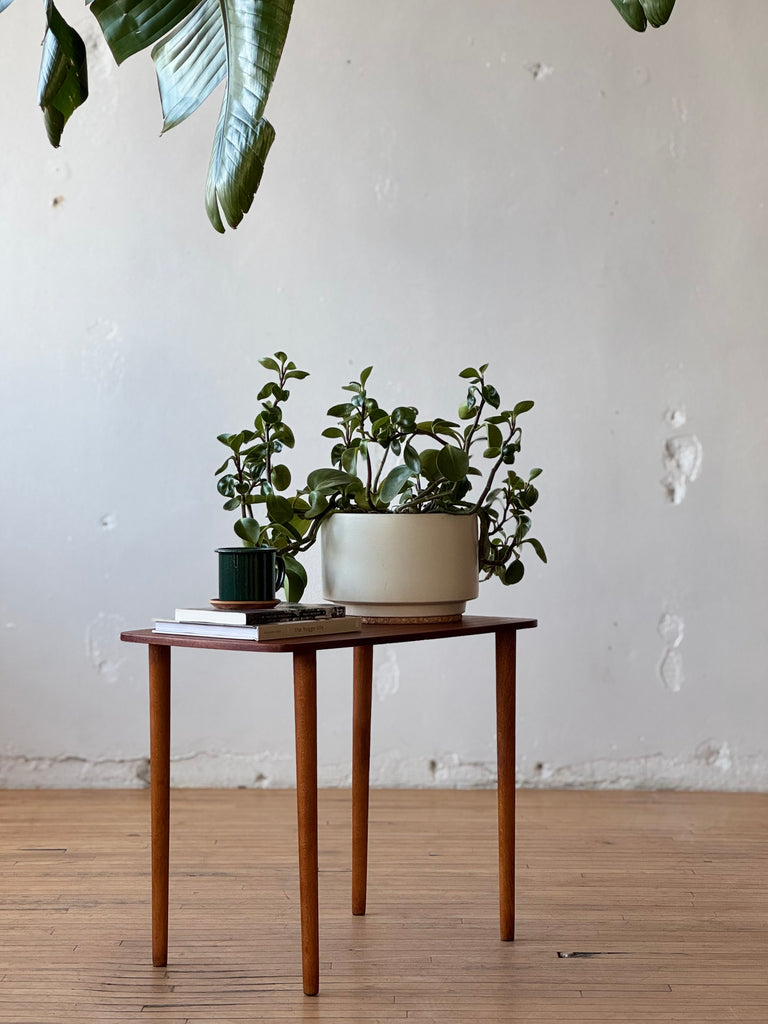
639, 13
197, 45
384, 462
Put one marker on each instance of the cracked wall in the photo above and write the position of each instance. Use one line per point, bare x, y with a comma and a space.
576, 205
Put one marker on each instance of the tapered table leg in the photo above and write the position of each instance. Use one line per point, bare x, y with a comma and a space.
160, 780
505, 740
305, 710
361, 760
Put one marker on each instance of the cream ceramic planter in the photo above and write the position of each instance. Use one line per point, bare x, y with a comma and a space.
386, 566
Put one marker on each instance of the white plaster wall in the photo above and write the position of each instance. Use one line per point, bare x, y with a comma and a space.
526, 183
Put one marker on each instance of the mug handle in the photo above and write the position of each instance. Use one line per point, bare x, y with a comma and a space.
279, 572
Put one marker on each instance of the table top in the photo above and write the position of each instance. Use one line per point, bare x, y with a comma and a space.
369, 635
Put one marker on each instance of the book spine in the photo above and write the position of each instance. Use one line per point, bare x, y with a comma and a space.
282, 630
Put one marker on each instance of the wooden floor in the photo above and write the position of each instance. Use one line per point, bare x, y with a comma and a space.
632, 907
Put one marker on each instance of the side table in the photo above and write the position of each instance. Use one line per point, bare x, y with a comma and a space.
304, 651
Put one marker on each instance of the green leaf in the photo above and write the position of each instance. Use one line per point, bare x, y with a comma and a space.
349, 459
465, 413
491, 395
452, 463
295, 578
329, 480
281, 477
269, 364
223, 466
537, 547
297, 374
393, 483
231, 505
411, 459
494, 436
241, 40
341, 411
283, 433
365, 375
657, 11
226, 486
513, 573
470, 373
132, 25
63, 82
632, 12
522, 407
249, 531
279, 509
534, 473
428, 459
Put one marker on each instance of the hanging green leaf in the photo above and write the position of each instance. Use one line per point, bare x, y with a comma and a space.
63, 82
637, 13
657, 11
131, 25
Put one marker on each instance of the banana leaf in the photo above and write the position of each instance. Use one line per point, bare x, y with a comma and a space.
131, 25
202, 43
63, 82
638, 13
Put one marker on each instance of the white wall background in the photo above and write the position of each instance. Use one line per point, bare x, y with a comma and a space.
527, 183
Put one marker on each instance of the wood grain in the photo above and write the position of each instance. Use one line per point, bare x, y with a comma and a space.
470, 625
667, 891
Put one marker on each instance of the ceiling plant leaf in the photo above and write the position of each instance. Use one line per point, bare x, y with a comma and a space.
131, 25
63, 82
657, 11
255, 32
190, 63
632, 12
638, 13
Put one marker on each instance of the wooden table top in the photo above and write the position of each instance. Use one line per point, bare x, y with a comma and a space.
369, 635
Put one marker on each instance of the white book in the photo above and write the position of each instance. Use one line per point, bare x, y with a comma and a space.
266, 631
280, 613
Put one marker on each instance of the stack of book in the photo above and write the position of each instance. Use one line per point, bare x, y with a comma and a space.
284, 620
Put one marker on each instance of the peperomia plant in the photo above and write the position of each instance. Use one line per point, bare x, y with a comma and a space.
385, 462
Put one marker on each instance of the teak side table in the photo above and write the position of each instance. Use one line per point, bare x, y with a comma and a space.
304, 651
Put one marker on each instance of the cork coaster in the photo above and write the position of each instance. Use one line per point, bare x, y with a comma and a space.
411, 620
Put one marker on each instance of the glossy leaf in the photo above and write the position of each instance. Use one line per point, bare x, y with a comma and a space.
537, 547
393, 483
131, 25
452, 463
281, 477
657, 11
513, 573
63, 82
522, 407
632, 12
249, 531
328, 480
295, 578
241, 40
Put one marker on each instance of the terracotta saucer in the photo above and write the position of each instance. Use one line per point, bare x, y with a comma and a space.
243, 606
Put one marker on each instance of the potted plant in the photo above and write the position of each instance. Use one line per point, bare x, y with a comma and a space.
405, 504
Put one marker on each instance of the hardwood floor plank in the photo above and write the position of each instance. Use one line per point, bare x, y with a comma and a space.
657, 901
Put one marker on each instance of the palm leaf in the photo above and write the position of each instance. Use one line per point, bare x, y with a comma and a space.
63, 82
